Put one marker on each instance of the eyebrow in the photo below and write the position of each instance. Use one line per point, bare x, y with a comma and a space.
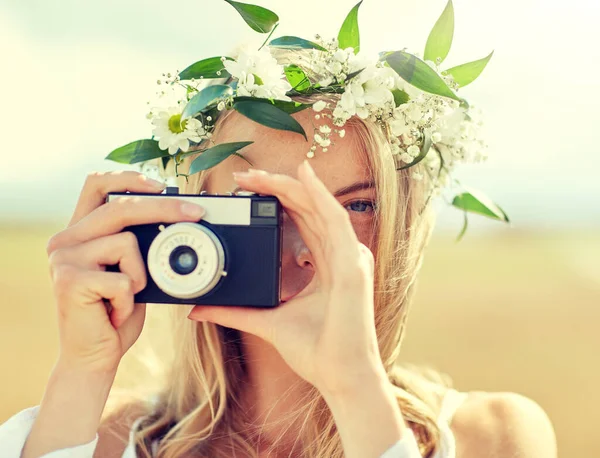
342, 191
354, 187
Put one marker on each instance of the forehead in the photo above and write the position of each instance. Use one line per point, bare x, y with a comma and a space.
277, 151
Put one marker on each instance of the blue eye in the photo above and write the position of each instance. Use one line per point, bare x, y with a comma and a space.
361, 206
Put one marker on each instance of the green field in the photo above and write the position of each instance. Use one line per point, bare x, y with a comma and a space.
517, 312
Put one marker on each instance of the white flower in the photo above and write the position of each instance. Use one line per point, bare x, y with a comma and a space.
413, 150
398, 123
319, 105
325, 129
436, 137
417, 176
259, 75
174, 133
326, 81
406, 158
367, 92
340, 55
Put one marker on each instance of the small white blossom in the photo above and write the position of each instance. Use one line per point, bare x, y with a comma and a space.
259, 75
417, 176
325, 129
413, 150
406, 158
319, 105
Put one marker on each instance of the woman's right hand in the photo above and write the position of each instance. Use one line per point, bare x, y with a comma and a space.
92, 339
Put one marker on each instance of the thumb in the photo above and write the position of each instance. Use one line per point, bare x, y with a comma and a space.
255, 321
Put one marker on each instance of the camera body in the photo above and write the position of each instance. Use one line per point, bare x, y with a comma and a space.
231, 257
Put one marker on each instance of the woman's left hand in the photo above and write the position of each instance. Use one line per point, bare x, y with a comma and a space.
326, 334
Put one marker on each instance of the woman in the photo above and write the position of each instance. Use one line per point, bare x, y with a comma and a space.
316, 376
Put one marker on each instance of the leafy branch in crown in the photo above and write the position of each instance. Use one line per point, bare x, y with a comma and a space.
414, 101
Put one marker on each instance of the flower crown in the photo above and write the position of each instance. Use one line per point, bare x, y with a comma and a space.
412, 99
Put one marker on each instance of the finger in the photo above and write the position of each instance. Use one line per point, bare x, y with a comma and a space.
98, 185
314, 243
117, 214
246, 319
341, 236
132, 326
297, 204
78, 289
121, 249
287, 189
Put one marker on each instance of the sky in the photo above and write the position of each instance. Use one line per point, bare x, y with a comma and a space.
76, 77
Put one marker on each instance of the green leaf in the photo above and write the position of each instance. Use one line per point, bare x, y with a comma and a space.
290, 42
440, 37
353, 74
400, 97
205, 68
212, 156
205, 98
425, 147
258, 18
463, 231
349, 35
297, 78
138, 151
165, 161
288, 107
244, 158
416, 72
467, 73
268, 115
475, 202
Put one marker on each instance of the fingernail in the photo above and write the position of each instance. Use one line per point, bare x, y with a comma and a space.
192, 316
240, 175
308, 168
256, 172
154, 183
192, 210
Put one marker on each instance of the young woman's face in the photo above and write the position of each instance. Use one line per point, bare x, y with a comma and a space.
343, 169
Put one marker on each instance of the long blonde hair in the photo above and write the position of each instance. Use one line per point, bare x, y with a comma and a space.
200, 412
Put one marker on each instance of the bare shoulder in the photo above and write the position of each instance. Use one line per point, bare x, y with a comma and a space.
502, 425
113, 434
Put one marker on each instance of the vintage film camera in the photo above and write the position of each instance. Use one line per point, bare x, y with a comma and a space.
231, 257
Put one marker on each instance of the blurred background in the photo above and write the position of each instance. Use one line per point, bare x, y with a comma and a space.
509, 308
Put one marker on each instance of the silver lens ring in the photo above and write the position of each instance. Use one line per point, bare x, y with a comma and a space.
205, 275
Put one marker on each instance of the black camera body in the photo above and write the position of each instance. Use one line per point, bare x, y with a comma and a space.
231, 257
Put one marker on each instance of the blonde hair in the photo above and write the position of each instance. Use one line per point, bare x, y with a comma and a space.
200, 412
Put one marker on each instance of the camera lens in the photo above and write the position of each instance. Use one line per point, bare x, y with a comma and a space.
183, 260
186, 260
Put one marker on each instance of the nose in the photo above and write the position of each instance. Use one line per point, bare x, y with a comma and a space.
294, 246
304, 257
297, 263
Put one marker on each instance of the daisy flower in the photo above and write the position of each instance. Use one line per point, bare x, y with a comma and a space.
174, 133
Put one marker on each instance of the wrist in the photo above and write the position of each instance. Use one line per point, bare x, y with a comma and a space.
354, 381
71, 409
95, 374
367, 416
